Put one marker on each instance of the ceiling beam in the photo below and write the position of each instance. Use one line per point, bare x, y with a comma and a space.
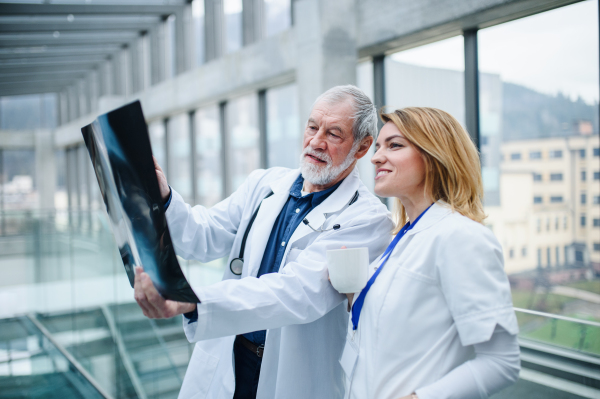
49, 76
21, 91
53, 61
40, 69
87, 9
108, 25
54, 51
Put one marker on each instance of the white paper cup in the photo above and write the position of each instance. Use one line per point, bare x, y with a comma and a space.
348, 269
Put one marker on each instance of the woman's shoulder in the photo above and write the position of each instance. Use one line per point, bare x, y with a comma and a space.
455, 227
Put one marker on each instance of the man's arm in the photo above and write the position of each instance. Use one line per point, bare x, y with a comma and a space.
300, 293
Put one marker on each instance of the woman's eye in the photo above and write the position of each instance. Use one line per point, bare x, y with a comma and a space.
396, 145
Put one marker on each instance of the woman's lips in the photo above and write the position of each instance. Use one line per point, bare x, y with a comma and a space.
381, 173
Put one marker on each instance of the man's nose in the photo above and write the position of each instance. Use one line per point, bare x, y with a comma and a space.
318, 141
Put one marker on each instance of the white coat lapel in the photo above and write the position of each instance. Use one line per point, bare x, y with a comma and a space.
263, 224
335, 202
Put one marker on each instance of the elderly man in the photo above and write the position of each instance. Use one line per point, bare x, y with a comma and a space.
275, 327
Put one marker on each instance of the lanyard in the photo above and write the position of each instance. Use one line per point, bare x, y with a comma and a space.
358, 304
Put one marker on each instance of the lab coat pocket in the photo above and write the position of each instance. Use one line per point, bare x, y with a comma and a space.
349, 357
201, 371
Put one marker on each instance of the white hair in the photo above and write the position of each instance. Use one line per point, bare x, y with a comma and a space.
365, 114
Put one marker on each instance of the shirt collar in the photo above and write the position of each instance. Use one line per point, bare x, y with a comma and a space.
315, 198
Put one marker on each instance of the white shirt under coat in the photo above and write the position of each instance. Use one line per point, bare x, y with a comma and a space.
305, 317
441, 295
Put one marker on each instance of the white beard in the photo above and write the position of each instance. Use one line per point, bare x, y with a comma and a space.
323, 175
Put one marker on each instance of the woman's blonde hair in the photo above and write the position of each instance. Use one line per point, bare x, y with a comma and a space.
452, 168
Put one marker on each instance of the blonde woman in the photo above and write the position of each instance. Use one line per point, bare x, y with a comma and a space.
435, 319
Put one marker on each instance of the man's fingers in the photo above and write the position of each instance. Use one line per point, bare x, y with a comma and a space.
156, 303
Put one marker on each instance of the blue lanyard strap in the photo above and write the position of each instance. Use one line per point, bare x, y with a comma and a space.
358, 304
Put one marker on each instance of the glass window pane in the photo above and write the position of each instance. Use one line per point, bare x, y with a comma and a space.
428, 76
19, 189
180, 166
539, 99
156, 131
198, 16
209, 171
242, 126
284, 136
364, 81
278, 16
233, 25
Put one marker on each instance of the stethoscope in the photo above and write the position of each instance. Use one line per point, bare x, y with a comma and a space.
237, 264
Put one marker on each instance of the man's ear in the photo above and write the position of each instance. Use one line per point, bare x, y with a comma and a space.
364, 147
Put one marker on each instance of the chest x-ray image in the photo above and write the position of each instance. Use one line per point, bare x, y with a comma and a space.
120, 151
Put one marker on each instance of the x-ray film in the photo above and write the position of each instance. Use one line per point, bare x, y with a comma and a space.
120, 151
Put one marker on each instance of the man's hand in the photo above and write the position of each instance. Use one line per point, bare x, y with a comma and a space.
153, 305
162, 181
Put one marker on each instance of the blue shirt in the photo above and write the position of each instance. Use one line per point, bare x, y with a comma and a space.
293, 212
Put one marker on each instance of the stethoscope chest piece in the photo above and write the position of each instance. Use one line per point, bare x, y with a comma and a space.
236, 266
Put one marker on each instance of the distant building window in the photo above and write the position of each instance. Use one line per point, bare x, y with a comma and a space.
524, 251
597, 152
596, 175
511, 253
537, 200
582, 220
578, 256
556, 176
597, 247
515, 156
583, 198
556, 154
535, 155
583, 175
537, 176
566, 254
539, 258
556, 223
582, 153
556, 199
539, 225
548, 224
557, 254
596, 222
565, 223
548, 257
596, 199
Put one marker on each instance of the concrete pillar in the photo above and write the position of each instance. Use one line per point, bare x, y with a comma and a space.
45, 168
157, 53
253, 25
117, 78
184, 28
214, 29
63, 100
126, 70
73, 102
145, 62
135, 64
326, 48
94, 90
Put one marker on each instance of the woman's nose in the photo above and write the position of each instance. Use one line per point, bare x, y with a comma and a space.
377, 158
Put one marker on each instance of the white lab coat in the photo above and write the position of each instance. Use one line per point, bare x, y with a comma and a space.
442, 290
305, 317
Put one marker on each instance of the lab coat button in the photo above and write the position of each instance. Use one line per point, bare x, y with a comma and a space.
297, 210
283, 244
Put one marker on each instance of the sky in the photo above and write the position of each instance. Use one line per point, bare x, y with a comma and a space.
551, 52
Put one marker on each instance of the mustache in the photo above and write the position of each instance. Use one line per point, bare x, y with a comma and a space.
322, 155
